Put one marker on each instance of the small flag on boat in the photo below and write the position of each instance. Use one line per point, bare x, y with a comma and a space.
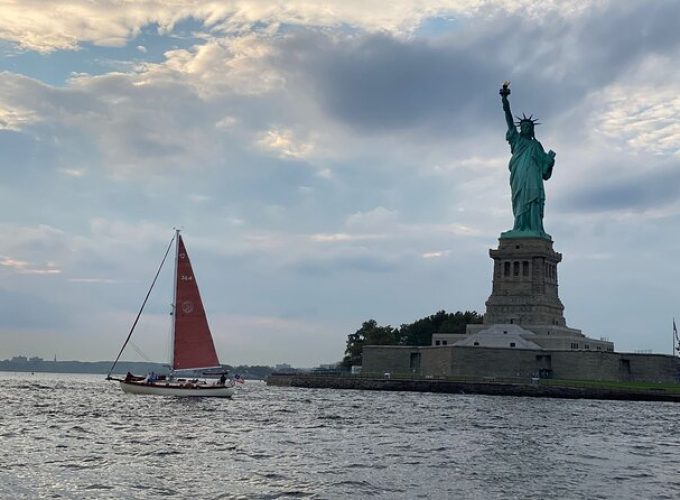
239, 379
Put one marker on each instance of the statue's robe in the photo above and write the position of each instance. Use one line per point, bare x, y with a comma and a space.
529, 166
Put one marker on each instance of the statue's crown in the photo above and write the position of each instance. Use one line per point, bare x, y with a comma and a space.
525, 119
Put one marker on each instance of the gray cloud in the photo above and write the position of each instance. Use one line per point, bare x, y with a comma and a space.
628, 32
377, 82
651, 189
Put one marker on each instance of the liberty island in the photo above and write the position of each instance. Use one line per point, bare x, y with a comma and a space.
524, 341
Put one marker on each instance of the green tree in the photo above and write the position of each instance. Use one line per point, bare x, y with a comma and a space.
457, 322
370, 333
417, 333
420, 332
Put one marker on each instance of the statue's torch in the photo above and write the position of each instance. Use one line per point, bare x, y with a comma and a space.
505, 89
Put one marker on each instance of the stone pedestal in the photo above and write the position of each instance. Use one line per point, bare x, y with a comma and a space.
524, 310
525, 284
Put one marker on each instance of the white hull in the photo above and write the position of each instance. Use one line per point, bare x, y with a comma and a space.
160, 389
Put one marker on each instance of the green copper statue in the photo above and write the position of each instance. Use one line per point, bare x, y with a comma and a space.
529, 166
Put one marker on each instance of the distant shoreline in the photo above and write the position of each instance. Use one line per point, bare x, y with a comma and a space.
122, 367
94, 367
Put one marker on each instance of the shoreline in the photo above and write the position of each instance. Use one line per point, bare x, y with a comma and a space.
521, 389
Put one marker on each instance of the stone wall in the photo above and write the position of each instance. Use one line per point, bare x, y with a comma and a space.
493, 363
616, 366
435, 361
476, 362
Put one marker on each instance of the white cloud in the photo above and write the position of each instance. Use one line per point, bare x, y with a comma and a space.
643, 117
344, 237
29, 243
226, 122
25, 267
284, 143
15, 117
72, 172
112, 23
436, 254
378, 218
236, 64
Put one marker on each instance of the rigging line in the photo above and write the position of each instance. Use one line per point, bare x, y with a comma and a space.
108, 376
139, 351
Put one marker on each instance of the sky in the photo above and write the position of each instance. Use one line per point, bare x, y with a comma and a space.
328, 163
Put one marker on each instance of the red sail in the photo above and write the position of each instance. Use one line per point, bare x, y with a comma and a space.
194, 347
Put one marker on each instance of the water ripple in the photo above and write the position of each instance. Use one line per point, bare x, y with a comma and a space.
77, 436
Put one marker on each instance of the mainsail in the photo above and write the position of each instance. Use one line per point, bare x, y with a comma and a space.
193, 344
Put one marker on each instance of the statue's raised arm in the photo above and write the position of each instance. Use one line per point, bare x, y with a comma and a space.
505, 92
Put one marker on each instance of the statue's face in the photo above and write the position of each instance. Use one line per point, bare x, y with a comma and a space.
526, 128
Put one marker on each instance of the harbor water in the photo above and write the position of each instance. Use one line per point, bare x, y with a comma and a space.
78, 436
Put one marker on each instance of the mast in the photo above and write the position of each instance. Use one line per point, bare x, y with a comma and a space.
174, 304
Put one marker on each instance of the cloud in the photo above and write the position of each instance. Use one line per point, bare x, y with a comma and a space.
111, 23
644, 118
285, 144
343, 237
15, 117
133, 128
329, 162
153, 119
25, 267
236, 64
647, 190
378, 82
73, 172
23, 244
378, 218
436, 254
65, 106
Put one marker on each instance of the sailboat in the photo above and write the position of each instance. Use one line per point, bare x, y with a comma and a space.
192, 346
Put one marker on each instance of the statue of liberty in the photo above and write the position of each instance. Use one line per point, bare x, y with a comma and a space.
529, 166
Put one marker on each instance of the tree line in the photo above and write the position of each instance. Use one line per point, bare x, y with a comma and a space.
417, 333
